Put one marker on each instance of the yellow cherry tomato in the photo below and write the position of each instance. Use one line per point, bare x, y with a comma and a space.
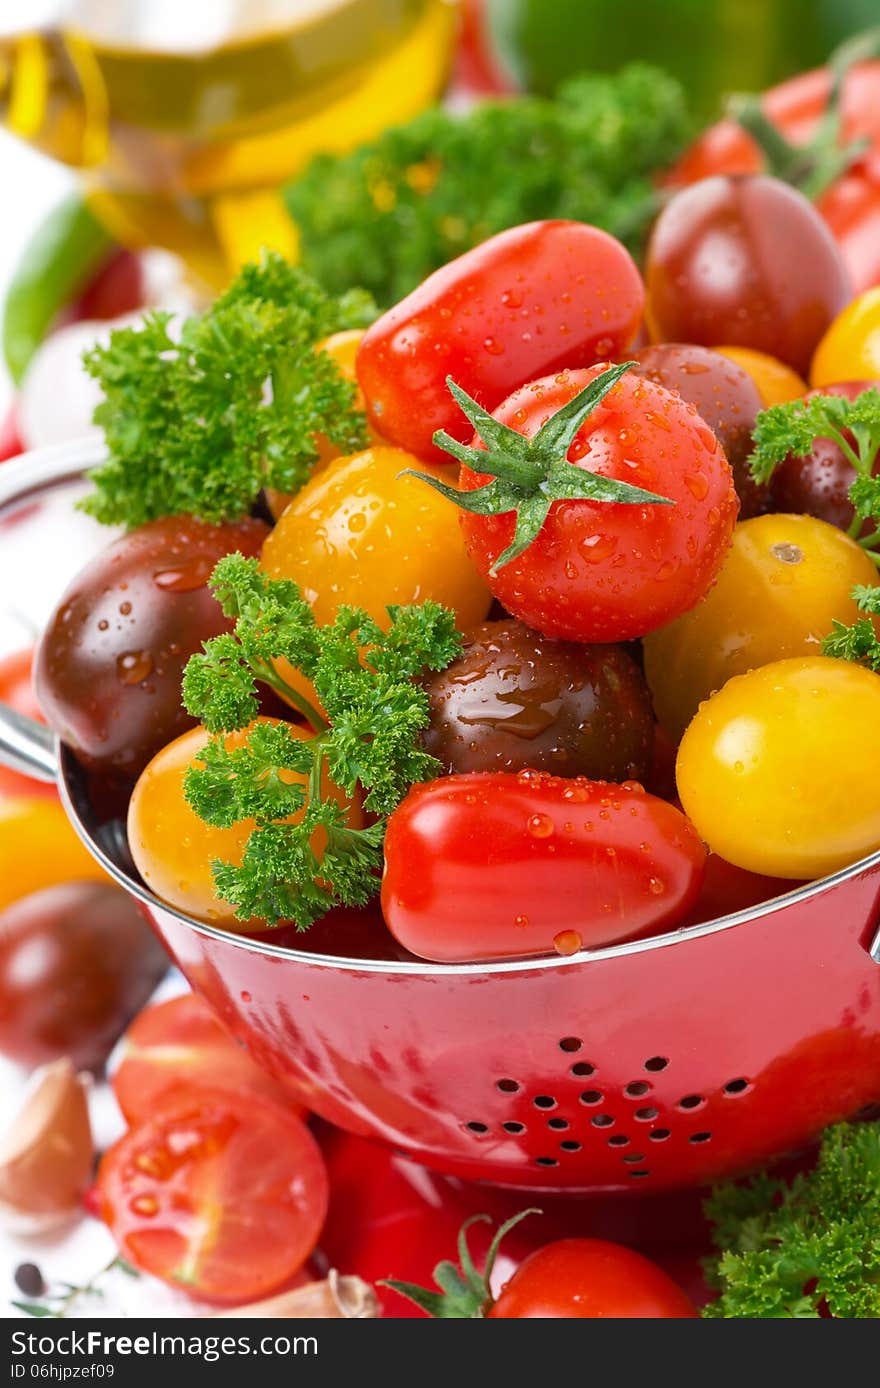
784, 582
778, 770
776, 382
850, 350
359, 533
40, 848
172, 847
342, 347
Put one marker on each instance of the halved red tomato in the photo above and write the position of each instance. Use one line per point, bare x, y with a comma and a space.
178, 1046
221, 1195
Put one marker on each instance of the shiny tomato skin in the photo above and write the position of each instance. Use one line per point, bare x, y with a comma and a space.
851, 203
786, 580
609, 572
589, 1279
723, 394
818, 485
77, 960
220, 1195
775, 769
181, 1044
850, 350
776, 382
514, 699
17, 691
745, 261
525, 303
109, 664
501, 866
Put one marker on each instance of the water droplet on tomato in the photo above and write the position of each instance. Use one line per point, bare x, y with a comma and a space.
540, 826
520, 921
186, 577
133, 666
697, 484
655, 886
567, 942
144, 1205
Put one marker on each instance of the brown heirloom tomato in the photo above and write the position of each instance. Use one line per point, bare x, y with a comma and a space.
77, 961
515, 699
723, 394
748, 262
109, 665
818, 485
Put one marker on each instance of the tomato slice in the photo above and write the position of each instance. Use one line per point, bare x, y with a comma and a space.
218, 1194
177, 1046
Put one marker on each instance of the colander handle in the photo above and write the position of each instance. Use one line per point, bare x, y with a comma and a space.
27, 746
875, 947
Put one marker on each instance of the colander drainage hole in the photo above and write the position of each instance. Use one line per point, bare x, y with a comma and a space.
546, 1161
633, 1158
700, 1137
602, 1120
570, 1146
591, 1096
557, 1123
735, 1087
570, 1043
582, 1069
691, 1101
477, 1127
656, 1063
636, 1089
544, 1101
514, 1127
659, 1134
646, 1115
618, 1141
508, 1086
642, 1172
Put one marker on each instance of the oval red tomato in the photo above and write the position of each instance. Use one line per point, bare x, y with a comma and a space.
180, 1044
589, 1279
221, 1195
525, 303
498, 866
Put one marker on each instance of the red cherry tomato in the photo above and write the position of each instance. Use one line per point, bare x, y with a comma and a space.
500, 866
589, 1279
524, 304
747, 262
17, 691
10, 439
221, 1195
181, 1045
117, 288
851, 203
611, 572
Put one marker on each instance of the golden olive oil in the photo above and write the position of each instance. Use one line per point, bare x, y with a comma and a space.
186, 117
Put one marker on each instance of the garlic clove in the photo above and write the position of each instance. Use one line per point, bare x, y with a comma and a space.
46, 1157
336, 1298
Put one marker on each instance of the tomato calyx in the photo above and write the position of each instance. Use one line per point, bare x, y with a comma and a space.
529, 474
464, 1292
814, 166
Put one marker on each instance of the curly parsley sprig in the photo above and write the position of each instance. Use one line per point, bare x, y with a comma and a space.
791, 1249
858, 642
367, 727
198, 420
854, 425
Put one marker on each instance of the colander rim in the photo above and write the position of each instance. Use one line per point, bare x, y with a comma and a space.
39, 470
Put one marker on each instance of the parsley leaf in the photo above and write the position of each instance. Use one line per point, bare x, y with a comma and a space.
367, 722
788, 1248
858, 642
198, 420
392, 211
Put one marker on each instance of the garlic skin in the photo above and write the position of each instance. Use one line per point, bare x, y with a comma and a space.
46, 1157
336, 1298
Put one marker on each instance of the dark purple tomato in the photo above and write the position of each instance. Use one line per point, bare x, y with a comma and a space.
516, 699
77, 962
723, 394
109, 666
747, 262
819, 484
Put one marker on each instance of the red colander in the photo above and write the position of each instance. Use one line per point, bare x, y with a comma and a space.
646, 1066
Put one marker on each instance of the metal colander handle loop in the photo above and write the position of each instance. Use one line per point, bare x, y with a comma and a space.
26, 746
